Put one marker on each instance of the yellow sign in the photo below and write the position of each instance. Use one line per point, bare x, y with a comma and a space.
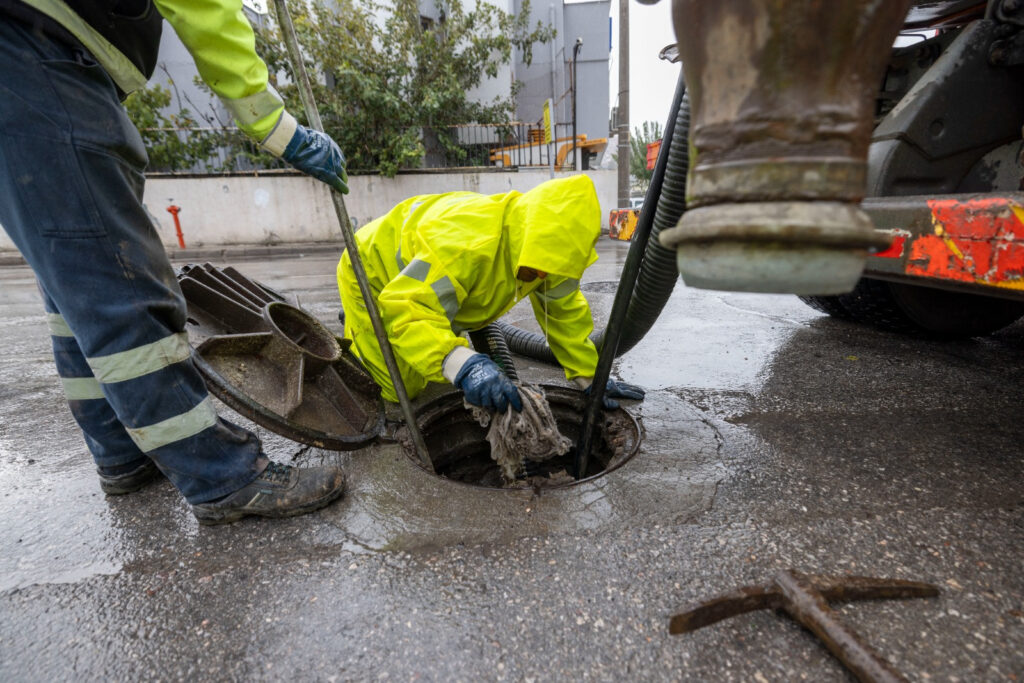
548, 136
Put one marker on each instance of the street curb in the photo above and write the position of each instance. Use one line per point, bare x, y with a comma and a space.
235, 252
255, 251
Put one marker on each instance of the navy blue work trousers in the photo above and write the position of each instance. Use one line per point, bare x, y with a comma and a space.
71, 178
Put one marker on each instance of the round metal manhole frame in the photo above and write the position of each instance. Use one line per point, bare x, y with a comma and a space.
632, 425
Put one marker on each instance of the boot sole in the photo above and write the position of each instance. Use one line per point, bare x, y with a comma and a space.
214, 518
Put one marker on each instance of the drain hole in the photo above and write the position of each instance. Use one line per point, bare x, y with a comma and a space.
459, 449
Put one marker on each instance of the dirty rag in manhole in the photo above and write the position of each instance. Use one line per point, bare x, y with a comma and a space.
517, 437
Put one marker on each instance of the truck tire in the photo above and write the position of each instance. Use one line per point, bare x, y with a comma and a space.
926, 311
829, 305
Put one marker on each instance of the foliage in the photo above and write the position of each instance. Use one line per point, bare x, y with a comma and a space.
178, 142
649, 132
396, 84
166, 148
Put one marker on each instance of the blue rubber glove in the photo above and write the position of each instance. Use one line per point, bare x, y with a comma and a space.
316, 154
485, 385
615, 390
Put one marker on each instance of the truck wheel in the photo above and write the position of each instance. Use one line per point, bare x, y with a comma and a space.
927, 312
829, 305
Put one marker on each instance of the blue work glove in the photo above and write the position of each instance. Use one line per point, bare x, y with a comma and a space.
316, 154
619, 390
485, 385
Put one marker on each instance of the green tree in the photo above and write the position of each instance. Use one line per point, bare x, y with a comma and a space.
641, 137
179, 142
391, 88
168, 150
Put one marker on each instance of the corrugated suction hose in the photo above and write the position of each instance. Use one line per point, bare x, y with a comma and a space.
658, 273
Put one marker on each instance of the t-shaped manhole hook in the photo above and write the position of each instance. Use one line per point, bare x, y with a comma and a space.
805, 598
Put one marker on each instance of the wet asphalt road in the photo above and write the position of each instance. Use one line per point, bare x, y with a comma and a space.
775, 438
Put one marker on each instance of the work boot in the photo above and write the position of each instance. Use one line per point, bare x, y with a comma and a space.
280, 491
122, 479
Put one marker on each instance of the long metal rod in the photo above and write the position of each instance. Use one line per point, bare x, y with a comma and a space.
313, 114
627, 282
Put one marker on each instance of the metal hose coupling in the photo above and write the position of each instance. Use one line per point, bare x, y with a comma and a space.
782, 95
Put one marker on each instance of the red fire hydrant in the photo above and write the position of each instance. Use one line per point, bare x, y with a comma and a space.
174, 210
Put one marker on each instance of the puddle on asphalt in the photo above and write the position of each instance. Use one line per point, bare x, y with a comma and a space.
698, 347
393, 504
57, 526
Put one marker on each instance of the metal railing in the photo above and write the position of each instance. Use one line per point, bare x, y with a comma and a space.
205, 150
509, 145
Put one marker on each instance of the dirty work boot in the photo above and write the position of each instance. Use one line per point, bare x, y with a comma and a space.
122, 479
281, 491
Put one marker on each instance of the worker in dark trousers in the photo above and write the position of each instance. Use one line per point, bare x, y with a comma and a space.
71, 178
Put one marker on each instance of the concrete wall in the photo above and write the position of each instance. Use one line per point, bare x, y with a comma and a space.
292, 208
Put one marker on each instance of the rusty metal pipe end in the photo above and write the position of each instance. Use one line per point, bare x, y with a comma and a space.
794, 178
783, 247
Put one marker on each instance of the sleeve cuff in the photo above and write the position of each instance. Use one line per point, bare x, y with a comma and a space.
454, 361
583, 382
279, 138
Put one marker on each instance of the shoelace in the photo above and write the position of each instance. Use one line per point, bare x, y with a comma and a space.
276, 472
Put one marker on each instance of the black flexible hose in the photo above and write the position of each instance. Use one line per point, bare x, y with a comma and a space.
658, 274
491, 341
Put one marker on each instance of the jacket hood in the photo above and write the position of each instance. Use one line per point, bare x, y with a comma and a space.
554, 227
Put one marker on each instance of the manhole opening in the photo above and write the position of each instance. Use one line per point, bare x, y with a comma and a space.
460, 452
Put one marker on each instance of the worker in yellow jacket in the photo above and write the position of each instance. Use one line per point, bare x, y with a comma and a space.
443, 264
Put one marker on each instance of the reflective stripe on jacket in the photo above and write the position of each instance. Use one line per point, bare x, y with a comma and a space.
221, 41
443, 264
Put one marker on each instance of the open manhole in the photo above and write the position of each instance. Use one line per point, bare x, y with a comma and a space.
460, 452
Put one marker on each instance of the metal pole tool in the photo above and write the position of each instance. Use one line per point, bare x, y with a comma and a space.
313, 114
627, 282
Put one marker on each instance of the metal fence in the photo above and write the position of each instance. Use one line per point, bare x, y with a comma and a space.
507, 146
499, 145
205, 150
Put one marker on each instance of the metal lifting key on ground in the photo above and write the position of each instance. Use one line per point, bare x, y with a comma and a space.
806, 598
312, 113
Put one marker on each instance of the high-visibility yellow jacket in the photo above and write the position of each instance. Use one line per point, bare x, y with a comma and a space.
218, 36
443, 264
